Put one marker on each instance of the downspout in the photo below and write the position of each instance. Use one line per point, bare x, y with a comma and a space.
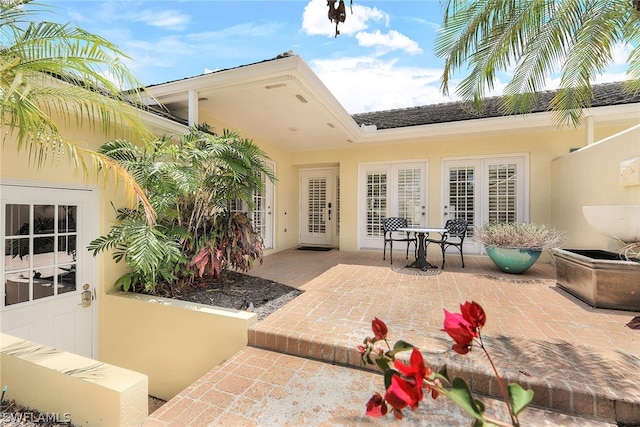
193, 107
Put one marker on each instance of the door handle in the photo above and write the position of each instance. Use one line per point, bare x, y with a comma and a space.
86, 297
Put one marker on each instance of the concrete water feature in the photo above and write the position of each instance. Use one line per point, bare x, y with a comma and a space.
601, 278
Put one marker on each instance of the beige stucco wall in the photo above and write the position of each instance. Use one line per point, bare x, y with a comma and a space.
173, 342
68, 387
591, 176
541, 147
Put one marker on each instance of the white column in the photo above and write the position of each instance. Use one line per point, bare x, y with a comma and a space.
193, 107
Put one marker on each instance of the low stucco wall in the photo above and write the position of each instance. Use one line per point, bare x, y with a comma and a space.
592, 176
68, 387
173, 342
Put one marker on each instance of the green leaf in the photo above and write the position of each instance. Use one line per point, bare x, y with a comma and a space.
519, 398
125, 281
398, 347
443, 374
383, 364
387, 377
461, 395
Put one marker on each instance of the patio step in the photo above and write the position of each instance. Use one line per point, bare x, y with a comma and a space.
550, 392
264, 388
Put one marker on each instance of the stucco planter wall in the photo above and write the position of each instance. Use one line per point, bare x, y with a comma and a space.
172, 342
65, 386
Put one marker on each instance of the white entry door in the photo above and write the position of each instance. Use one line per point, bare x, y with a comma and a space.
319, 210
46, 272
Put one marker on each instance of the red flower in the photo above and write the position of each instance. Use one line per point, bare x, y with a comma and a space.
403, 392
460, 330
379, 329
416, 369
473, 313
376, 406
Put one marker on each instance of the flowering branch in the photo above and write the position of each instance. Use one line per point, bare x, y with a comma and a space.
405, 383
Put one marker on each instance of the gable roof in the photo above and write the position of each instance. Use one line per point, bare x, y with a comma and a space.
606, 94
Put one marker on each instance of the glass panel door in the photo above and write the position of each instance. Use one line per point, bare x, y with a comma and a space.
483, 190
386, 190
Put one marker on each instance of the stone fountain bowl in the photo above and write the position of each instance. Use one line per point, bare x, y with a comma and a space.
619, 222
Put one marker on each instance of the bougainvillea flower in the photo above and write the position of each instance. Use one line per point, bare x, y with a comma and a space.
379, 329
376, 406
416, 368
473, 313
460, 330
403, 392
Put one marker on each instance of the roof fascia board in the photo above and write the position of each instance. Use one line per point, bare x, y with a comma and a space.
245, 75
164, 124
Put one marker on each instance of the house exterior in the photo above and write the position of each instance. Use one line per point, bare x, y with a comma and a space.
338, 175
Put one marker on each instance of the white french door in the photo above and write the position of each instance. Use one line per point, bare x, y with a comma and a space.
386, 190
319, 213
262, 212
483, 190
261, 215
46, 273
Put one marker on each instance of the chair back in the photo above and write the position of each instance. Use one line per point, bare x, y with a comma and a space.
457, 227
393, 223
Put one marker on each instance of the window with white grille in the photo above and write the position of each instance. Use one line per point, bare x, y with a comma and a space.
40, 251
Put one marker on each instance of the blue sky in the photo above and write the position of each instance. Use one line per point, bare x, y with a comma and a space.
383, 58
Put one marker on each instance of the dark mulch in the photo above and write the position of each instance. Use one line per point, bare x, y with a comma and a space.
241, 292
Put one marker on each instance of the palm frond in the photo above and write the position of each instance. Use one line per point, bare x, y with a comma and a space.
534, 40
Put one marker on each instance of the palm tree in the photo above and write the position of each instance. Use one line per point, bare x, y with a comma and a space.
47, 67
533, 39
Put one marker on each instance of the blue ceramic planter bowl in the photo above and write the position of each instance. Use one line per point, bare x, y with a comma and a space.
510, 260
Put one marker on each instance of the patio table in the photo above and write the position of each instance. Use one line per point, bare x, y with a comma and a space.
421, 234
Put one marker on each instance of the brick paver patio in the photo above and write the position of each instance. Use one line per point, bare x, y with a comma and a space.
301, 366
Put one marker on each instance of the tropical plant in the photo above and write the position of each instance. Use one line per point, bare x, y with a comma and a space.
519, 235
533, 40
47, 69
191, 185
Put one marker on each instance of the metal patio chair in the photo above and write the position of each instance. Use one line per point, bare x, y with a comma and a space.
390, 226
456, 232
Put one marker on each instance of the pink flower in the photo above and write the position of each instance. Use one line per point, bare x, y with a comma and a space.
376, 406
460, 330
379, 329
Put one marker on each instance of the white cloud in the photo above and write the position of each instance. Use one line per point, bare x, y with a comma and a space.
388, 42
168, 19
365, 84
316, 22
